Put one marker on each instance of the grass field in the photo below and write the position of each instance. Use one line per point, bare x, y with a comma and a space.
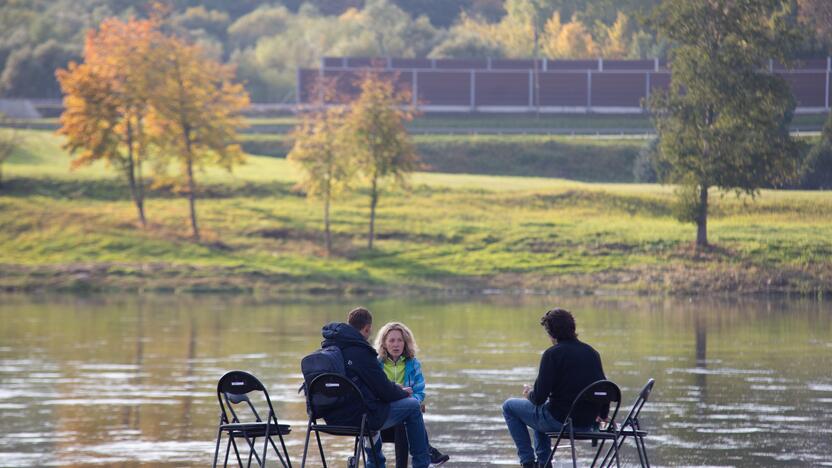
449, 232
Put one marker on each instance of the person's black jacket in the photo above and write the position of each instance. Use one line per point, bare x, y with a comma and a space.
361, 364
565, 370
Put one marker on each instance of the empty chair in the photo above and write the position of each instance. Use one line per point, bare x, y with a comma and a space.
601, 395
326, 392
630, 427
233, 390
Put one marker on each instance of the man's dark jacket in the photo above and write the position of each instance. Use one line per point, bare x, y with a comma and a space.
361, 364
565, 370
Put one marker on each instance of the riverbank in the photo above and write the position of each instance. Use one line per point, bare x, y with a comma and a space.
449, 234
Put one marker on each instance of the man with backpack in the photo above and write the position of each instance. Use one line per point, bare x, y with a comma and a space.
388, 404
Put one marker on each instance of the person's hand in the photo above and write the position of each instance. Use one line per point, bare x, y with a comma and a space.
408, 390
423, 407
526, 390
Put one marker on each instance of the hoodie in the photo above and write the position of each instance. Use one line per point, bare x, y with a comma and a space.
361, 365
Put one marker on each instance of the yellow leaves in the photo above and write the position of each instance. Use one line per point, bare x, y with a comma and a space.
571, 40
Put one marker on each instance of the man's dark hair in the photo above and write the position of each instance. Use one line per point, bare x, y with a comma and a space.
560, 324
360, 318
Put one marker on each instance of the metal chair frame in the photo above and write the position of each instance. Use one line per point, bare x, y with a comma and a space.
602, 392
233, 389
340, 388
631, 427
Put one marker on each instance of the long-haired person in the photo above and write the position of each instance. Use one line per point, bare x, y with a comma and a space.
396, 347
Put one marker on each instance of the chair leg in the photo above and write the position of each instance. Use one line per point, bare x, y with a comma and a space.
372, 451
217, 449
645, 463
236, 452
598, 452
320, 448
306, 445
554, 448
572, 443
286, 463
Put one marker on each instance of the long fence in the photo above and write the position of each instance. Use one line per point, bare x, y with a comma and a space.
548, 86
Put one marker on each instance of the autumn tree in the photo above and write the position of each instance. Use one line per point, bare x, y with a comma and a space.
326, 169
197, 110
107, 101
724, 121
378, 139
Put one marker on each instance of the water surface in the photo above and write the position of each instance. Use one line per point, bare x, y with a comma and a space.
130, 381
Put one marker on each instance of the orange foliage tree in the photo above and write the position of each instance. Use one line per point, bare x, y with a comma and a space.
377, 138
197, 113
107, 101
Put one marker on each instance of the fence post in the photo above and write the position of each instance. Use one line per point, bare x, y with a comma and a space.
600, 64
828, 70
588, 91
488, 61
531, 89
655, 64
647, 85
545, 64
415, 86
473, 90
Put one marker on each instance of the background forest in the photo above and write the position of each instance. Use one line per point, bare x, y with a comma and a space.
268, 40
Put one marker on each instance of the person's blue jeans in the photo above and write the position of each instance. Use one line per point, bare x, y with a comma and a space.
409, 412
521, 414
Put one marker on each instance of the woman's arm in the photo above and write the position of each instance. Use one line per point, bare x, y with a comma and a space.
418, 381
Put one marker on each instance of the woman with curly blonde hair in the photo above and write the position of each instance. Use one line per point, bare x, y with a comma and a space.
397, 348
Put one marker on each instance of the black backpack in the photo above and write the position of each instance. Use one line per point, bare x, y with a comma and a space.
325, 360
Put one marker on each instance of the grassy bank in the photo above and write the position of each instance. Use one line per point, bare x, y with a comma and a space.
577, 158
449, 233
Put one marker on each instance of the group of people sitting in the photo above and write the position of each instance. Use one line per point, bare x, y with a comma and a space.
390, 378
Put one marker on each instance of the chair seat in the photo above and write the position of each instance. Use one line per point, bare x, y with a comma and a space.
631, 433
339, 430
254, 429
585, 435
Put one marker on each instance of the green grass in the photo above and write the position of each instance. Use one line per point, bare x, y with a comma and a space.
463, 232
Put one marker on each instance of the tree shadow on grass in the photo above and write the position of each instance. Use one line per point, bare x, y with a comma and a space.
117, 190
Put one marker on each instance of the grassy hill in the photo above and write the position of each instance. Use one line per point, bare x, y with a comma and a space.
450, 232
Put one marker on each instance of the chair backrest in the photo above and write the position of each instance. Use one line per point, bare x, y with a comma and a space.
234, 388
330, 391
641, 399
598, 396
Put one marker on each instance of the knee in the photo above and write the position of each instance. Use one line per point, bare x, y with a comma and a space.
508, 405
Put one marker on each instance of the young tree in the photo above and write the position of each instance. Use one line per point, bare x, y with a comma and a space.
9, 140
816, 172
197, 114
326, 168
107, 101
378, 139
724, 121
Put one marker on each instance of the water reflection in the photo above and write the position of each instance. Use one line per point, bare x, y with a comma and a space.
131, 380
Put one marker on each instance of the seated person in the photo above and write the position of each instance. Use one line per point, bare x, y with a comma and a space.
397, 349
388, 404
565, 369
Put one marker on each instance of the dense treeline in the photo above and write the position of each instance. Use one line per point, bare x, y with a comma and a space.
268, 40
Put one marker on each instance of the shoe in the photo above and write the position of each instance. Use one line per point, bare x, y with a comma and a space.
436, 457
541, 465
530, 465
351, 462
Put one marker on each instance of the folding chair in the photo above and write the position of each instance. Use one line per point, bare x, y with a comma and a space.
598, 395
329, 391
233, 389
631, 427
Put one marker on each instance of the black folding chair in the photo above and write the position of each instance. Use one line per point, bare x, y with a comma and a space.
233, 389
631, 427
325, 393
597, 395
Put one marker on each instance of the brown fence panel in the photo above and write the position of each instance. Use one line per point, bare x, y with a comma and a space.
478, 64
501, 88
659, 80
563, 89
514, 64
411, 63
572, 65
646, 65
809, 88
441, 88
610, 89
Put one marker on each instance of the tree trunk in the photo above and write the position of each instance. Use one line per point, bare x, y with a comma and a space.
192, 195
327, 234
139, 177
702, 218
373, 203
1, 174
131, 176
